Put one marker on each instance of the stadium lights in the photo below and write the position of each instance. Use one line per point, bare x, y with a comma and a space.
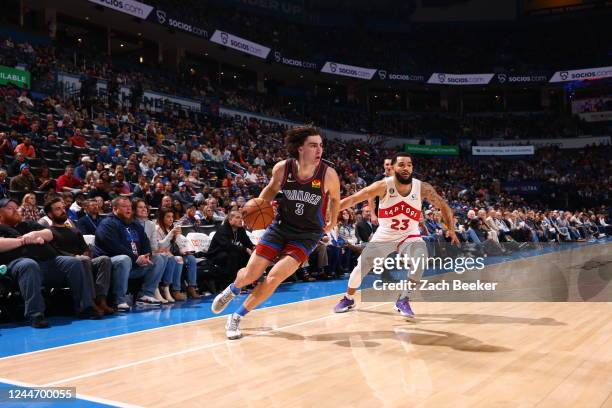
140, 59
121, 45
80, 40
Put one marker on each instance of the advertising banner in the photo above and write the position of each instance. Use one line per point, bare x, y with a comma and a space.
14, 76
510, 79
348, 70
240, 44
565, 143
279, 58
459, 79
521, 187
502, 150
164, 19
383, 75
580, 74
131, 7
432, 150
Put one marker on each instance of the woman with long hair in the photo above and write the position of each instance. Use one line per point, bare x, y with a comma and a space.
172, 271
28, 209
166, 235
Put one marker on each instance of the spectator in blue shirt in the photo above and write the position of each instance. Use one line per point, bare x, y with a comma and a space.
125, 242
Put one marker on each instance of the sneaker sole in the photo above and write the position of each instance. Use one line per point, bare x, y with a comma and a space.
214, 307
346, 309
397, 309
235, 337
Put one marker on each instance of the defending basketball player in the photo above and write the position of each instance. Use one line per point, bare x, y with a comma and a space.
307, 185
399, 213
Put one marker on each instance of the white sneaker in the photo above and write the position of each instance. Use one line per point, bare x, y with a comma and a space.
222, 300
123, 307
167, 296
148, 300
232, 331
159, 297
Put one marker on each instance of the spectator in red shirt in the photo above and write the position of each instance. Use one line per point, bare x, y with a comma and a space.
78, 139
67, 181
26, 148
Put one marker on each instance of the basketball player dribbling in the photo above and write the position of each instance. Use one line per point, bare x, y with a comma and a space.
399, 213
307, 184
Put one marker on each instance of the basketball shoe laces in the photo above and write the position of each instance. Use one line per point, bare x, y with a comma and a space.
233, 323
226, 296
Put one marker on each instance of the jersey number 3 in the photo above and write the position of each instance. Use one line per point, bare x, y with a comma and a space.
299, 209
395, 225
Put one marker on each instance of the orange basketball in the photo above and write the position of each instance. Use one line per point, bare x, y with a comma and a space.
257, 214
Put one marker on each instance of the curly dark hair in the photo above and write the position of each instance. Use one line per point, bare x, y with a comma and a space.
295, 137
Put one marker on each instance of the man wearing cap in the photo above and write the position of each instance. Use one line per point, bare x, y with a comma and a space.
183, 195
25, 181
81, 170
32, 262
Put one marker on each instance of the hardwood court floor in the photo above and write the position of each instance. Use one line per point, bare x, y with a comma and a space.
301, 354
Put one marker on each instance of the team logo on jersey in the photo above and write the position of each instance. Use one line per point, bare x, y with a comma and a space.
316, 183
391, 191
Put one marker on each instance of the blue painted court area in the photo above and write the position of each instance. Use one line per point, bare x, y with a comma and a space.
20, 338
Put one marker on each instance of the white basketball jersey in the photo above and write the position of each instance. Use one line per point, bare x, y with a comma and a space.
398, 216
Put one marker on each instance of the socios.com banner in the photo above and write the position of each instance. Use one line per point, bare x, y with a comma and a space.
240, 44
131, 7
278, 57
509, 79
579, 74
459, 79
348, 70
502, 150
165, 19
384, 75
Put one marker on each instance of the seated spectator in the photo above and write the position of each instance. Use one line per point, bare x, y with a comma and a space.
189, 219
205, 215
29, 209
32, 262
230, 247
70, 242
67, 181
166, 235
25, 181
365, 228
347, 240
81, 170
173, 267
78, 140
88, 223
4, 185
15, 167
6, 147
126, 243
178, 209
26, 148
44, 181
183, 194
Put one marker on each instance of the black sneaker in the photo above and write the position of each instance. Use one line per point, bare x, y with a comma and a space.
39, 322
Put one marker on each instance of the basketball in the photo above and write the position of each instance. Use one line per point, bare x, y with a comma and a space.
257, 214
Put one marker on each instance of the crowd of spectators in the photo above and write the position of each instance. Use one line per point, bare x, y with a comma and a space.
112, 188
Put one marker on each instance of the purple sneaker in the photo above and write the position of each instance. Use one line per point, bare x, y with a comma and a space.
403, 307
344, 305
